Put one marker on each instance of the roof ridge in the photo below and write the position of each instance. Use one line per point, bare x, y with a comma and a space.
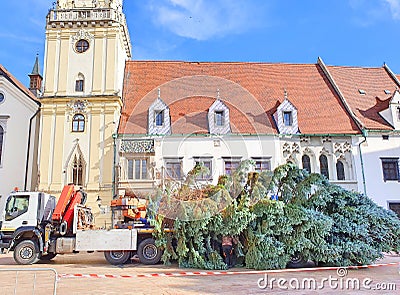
355, 67
220, 62
18, 84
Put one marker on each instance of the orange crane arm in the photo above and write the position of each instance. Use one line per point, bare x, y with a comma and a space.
63, 202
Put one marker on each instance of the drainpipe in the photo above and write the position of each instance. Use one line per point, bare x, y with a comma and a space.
362, 161
114, 174
29, 147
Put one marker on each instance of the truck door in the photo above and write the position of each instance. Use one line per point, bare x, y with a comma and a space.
18, 212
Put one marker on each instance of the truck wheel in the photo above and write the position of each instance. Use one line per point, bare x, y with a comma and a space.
48, 256
26, 252
117, 257
148, 252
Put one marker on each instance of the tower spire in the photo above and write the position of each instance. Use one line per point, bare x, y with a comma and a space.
35, 70
35, 84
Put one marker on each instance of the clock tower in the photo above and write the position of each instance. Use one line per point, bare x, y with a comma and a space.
87, 44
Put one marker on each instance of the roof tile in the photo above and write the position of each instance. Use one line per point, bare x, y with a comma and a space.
252, 91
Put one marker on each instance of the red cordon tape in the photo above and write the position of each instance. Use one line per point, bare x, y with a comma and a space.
217, 273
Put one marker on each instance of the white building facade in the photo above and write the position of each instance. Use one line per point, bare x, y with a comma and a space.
19, 119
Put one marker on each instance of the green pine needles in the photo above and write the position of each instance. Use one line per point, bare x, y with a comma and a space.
311, 219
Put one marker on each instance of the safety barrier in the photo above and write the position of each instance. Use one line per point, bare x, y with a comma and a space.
28, 281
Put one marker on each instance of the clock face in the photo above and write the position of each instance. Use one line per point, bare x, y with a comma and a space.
1, 97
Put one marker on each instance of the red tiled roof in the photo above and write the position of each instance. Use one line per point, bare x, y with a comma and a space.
252, 91
374, 81
18, 84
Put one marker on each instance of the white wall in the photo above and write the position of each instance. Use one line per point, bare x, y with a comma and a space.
372, 150
15, 113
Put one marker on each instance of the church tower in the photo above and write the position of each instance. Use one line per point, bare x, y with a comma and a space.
35, 79
87, 44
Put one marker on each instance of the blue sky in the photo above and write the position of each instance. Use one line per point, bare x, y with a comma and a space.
342, 32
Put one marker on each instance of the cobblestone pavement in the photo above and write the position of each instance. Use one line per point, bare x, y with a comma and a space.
99, 277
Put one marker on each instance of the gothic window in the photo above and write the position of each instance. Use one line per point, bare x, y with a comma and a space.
82, 46
78, 123
340, 170
306, 163
77, 171
1, 143
323, 165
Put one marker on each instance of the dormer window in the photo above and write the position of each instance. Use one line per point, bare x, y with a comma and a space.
159, 118
219, 118
288, 118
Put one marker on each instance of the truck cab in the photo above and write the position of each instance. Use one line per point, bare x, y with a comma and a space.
35, 228
24, 213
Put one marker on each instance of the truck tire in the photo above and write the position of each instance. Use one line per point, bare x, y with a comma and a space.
26, 252
148, 252
48, 256
117, 257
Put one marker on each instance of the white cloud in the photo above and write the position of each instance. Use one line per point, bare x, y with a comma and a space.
394, 6
370, 12
204, 19
21, 38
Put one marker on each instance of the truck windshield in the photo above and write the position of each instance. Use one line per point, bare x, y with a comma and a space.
16, 206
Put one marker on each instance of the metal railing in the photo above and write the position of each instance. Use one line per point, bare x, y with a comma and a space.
86, 15
22, 279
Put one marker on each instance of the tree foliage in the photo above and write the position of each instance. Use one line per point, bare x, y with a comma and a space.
323, 222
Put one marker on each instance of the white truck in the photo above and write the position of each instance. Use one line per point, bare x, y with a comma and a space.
36, 228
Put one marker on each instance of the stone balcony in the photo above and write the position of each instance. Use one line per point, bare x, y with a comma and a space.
86, 15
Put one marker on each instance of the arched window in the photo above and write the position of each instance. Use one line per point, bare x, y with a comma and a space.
323, 165
78, 123
306, 163
1, 143
340, 170
77, 171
